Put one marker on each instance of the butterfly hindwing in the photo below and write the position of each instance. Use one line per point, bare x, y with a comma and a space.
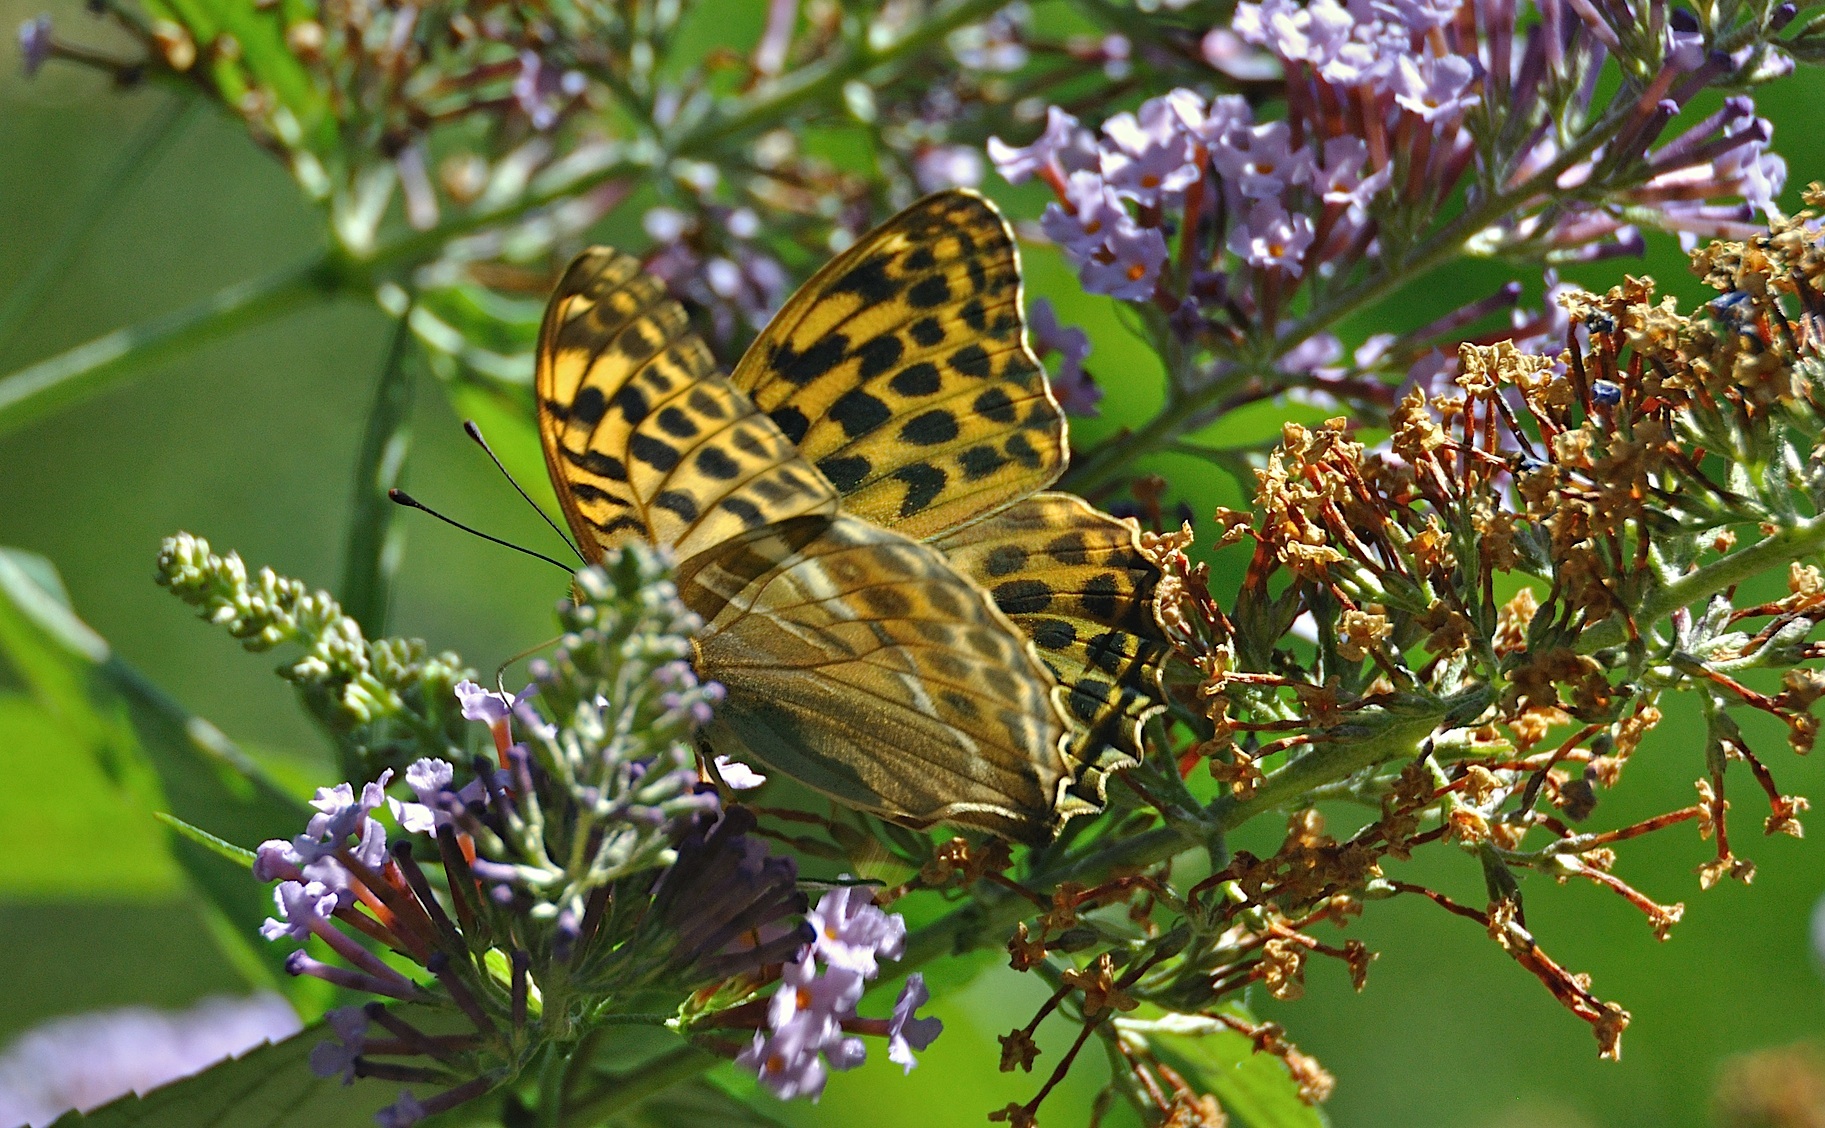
1074, 580
902, 371
862, 664
642, 436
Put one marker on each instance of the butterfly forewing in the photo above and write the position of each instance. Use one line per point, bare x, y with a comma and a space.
861, 663
1074, 580
856, 659
643, 437
901, 370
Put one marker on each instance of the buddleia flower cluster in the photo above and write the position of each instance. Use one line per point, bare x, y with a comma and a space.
1620, 490
577, 872
1404, 133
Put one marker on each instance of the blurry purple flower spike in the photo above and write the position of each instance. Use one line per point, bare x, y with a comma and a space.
83, 1061
1270, 236
937, 167
1077, 393
34, 43
905, 1031
786, 1066
1065, 147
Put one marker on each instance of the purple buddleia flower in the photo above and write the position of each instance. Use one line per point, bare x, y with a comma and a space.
402, 1113
340, 813
1064, 148
542, 93
814, 1005
488, 706
852, 934
430, 781
34, 44
1270, 236
1077, 393
301, 905
1130, 267
337, 1058
1314, 33
905, 1031
1149, 157
1262, 162
1082, 224
1339, 179
786, 1065
1420, 16
1438, 89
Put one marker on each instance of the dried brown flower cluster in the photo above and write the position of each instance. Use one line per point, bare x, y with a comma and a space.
1468, 632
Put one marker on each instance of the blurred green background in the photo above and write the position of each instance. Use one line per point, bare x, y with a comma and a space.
251, 444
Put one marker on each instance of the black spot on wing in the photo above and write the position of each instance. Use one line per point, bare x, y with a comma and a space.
791, 422
630, 402
1053, 634
1100, 596
845, 473
868, 280
714, 463
917, 380
745, 511
1005, 560
589, 407
1022, 597
677, 424
1023, 452
993, 404
597, 463
926, 332
971, 360
859, 413
930, 428
924, 482
1108, 652
824, 354
678, 502
1086, 698
931, 290
981, 461
651, 451
879, 355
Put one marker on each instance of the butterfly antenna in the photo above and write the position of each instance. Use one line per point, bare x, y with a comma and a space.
401, 497
500, 671
475, 433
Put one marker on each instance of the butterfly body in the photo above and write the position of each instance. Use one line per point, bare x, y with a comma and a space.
900, 618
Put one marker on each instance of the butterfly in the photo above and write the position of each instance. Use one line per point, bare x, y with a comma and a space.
902, 616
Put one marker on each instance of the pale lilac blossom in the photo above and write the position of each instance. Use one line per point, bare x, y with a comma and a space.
905, 1031
1130, 266
1063, 148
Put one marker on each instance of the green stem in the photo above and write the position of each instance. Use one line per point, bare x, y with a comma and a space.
1763, 556
623, 1091
126, 353
129, 168
371, 555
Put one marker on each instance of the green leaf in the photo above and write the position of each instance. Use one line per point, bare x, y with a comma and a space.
268, 1087
239, 855
698, 1102
156, 754
1255, 1089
